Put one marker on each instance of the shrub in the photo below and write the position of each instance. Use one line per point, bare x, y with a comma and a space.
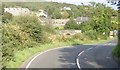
31, 26
116, 53
104, 37
20, 33
7, 48
79, 36
71, 24
63, 38
59, 28
48, 28
91, 34
7, 17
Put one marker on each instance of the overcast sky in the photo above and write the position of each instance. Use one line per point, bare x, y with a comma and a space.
78, 2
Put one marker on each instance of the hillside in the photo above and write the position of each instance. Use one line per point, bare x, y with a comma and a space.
34, 6
54, 9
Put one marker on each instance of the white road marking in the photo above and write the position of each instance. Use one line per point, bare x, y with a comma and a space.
77, 59
80, 53
28, 65
78, 63
89, 48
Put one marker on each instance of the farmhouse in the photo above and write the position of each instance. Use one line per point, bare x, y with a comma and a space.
41, 13
17, 11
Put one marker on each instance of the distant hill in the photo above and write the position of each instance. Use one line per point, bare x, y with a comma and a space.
54, 11
36, 5
52, 8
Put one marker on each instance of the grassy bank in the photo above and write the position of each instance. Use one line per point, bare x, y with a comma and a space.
21, 56
116, 53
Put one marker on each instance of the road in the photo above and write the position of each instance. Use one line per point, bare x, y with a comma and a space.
76, 56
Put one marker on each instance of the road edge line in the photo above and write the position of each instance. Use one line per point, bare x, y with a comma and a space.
77, 59
29, 63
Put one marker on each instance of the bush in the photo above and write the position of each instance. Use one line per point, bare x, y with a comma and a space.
91, 34
71, 24
80, 36
20, 33
7, 48
116, 53
48, 28
104, 37
59, 28
7, 17
31, 26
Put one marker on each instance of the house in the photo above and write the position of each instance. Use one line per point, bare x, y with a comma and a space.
59, 22
42, 13
66, 8
80, 20
17, 11
54, 22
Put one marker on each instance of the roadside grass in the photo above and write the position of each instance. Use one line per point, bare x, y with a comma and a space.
21, 56
116, 53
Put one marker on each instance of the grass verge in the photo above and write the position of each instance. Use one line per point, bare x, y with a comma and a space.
116, 53
21, 56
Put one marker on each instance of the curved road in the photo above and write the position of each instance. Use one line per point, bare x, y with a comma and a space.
76, 56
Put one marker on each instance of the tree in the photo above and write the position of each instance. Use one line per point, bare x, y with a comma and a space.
116, 51
75, 11
53, 12
64, 14
93, 3
86, 26
99, 5
70, 14
71, 24
56, 14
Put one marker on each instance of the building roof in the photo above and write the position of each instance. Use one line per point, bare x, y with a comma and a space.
82, 19
17, 11
42, 13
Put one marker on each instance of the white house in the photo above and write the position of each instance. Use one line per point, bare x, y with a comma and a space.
17, 11
41, 13
66, 8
